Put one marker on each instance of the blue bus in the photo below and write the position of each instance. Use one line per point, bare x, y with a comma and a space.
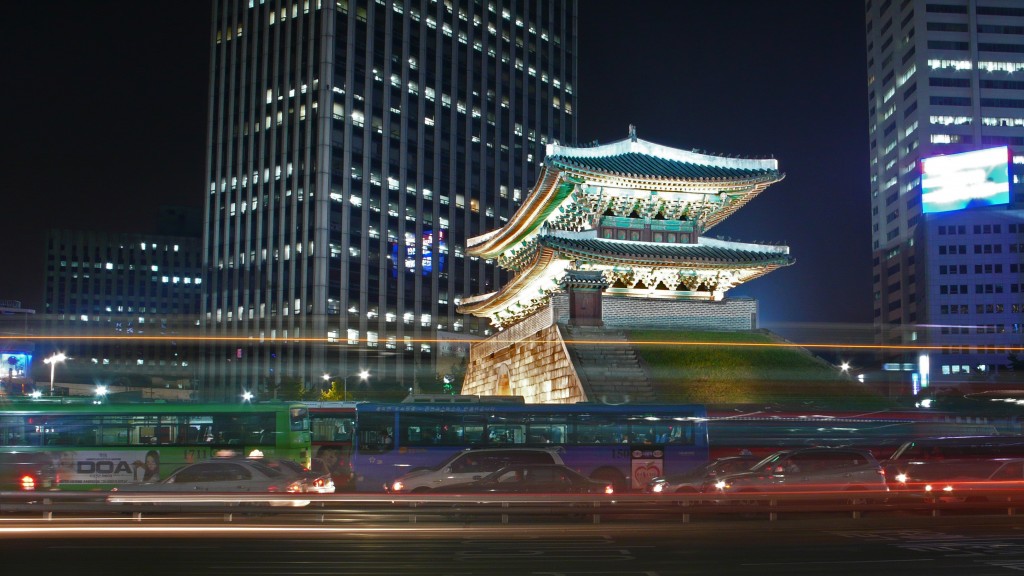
625, 445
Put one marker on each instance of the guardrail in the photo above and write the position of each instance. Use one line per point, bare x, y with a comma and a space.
505, 509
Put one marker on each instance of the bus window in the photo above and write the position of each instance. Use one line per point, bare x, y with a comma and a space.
506, 434
598, 430
374, 433
426, 430
331, 428
299, 418
69, 431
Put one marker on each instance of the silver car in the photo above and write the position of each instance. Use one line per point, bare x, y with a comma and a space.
470, 465
222, 475
807, 470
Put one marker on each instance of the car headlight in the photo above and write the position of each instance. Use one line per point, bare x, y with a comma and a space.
658, 488
902, 478
397, 486
721, 485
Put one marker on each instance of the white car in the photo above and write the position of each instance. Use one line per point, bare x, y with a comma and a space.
470, 465
223, 475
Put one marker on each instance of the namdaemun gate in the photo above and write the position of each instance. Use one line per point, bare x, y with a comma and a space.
612, 238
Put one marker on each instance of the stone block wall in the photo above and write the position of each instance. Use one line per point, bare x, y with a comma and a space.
537, 368
622, 312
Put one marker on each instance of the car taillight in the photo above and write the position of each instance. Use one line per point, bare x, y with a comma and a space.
28, 483
609, 489
294, 487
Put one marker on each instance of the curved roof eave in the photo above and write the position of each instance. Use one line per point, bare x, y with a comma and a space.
546, 195
496, 300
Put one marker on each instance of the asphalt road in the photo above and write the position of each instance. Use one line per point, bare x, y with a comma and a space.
907, 546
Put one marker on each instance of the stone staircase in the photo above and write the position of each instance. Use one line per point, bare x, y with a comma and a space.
607, 365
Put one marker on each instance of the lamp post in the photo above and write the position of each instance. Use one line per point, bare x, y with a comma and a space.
363, 375
52, 361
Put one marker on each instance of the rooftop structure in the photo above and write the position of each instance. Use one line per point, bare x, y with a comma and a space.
634, 212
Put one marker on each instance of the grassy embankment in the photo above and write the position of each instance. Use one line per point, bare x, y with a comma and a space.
745, 368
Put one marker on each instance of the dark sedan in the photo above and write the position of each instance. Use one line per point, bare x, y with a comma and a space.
530, 479
694, 480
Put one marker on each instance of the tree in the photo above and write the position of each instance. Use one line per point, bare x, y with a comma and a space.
293, 389
333, 394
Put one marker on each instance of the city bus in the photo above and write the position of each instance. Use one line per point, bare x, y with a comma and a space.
98, 446
882, 433
624, 445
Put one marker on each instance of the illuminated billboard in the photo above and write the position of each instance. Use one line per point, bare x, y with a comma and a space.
967, 180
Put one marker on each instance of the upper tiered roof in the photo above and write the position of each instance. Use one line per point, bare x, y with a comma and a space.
679, 184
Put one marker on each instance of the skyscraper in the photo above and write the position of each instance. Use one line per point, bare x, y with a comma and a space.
943, 78
353, 147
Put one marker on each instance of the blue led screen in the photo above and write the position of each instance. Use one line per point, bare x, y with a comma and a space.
404, 257
967, 180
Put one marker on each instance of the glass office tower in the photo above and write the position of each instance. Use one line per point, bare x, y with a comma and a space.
353, 147
943, 78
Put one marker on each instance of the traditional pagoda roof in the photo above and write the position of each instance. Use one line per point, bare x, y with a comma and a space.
622, 175
636, 189
639, 268
708, 253
639, 161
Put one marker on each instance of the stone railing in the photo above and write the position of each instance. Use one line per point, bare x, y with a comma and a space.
529, 326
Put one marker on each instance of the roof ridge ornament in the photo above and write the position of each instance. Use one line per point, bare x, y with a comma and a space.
632, 133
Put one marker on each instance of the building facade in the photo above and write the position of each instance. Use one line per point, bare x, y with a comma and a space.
942, 79
354, 146
114, 292
975, 301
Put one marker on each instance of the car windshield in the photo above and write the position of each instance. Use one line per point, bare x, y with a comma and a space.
267, 470
284, 466
768, 461
449, 461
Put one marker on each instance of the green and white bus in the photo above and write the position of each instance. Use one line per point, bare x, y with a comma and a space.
98, 446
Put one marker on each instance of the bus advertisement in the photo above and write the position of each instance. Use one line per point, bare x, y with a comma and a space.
625, 445
98, 446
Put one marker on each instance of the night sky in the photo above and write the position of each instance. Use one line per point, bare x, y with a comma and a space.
106, 118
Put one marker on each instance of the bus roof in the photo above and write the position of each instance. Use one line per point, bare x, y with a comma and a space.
51, 407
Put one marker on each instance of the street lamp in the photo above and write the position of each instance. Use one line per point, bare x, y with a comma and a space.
52, 361
363, 375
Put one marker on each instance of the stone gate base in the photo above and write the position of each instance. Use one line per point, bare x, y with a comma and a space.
530, 359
